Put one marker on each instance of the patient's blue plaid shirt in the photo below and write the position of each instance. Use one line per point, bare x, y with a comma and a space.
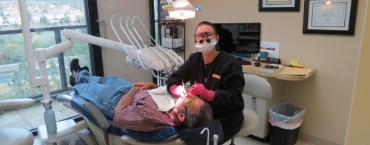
142, 115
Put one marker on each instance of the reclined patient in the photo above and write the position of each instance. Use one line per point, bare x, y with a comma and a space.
131, 107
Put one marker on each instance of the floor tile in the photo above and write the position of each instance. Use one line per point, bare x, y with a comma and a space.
245, 141
18, 124
35, 110
33, 117
68, 112
36, 121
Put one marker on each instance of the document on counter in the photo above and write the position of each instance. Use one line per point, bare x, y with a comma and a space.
295, 71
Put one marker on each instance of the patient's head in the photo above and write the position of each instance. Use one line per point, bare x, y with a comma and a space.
193, 112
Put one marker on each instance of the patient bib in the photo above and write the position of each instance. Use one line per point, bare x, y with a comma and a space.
162, 98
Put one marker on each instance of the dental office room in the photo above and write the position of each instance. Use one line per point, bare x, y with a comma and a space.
39, 106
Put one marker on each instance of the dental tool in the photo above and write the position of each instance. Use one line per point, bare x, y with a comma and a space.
183, 85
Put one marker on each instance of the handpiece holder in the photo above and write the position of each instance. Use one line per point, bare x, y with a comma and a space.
215, 136
215, 139
207, 134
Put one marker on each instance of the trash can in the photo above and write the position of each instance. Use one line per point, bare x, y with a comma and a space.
285, 119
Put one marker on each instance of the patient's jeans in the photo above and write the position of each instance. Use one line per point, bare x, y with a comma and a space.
104, 92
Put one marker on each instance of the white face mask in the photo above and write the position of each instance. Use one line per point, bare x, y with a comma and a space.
206, 47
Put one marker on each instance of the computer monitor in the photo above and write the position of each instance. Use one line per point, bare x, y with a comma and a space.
239, 38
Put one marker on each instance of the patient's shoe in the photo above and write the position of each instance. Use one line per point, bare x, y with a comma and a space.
86, 68
74, 66
72, 80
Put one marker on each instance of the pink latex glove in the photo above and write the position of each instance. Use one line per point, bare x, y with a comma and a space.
178, 91
199, 89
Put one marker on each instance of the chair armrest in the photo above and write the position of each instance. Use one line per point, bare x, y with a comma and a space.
16, 104
100, 119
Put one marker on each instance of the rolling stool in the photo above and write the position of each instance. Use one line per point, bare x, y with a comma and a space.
250, 124
251, 119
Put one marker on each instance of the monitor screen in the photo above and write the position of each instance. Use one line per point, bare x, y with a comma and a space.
239, 38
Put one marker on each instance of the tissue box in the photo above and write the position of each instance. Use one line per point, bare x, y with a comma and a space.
172, 42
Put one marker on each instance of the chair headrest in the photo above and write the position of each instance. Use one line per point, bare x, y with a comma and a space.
195, 137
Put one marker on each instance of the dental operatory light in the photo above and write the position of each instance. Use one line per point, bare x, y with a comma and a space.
328, 2
328, 5
180, 9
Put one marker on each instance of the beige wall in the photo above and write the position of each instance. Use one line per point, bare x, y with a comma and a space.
358, 129
327, 96
114, 61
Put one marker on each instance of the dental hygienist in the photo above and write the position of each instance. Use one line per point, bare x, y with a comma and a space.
215, 75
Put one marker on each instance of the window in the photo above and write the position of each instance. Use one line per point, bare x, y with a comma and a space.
155, 4
47, 19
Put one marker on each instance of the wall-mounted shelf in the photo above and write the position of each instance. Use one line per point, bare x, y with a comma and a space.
172, 35
248, 38
173, 23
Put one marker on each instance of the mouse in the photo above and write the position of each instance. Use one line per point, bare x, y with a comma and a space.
257, 64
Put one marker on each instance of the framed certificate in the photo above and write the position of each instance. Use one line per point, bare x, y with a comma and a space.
279, 5
336, 17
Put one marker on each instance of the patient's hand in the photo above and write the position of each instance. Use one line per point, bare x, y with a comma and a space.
145, 85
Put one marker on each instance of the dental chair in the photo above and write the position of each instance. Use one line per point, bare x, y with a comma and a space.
106, 134
15, 136
102, 129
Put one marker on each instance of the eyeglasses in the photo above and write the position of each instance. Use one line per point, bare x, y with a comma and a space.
204, 34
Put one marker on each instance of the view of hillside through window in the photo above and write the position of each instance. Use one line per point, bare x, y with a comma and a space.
47, 18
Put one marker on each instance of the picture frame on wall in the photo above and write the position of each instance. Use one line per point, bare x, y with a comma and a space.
279, 5
337, 17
